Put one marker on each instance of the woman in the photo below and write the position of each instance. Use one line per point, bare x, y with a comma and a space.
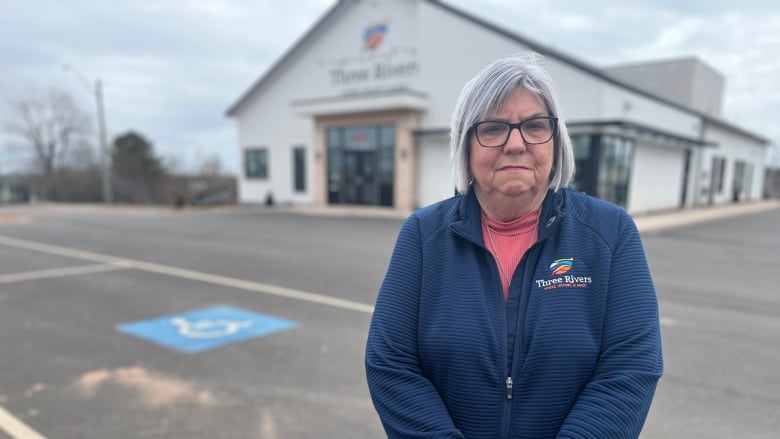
518, 308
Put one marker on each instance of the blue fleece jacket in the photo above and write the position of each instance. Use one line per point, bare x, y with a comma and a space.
574, 352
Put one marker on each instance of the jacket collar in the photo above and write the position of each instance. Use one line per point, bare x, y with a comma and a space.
468, 222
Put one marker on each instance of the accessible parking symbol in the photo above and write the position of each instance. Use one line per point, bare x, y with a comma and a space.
199, 330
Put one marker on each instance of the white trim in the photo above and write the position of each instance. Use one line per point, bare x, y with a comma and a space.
190, 274
359, 104
57, 272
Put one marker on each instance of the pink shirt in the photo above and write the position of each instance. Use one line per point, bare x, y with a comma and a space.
508, 242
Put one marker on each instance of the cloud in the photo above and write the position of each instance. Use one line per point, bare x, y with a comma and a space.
169, 68
738, 45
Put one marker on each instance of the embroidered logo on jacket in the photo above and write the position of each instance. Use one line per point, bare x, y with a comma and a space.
560, 266
560, 280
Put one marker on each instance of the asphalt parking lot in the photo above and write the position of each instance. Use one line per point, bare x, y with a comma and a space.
267, 312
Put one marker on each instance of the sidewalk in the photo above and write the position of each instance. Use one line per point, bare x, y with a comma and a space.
645, 222
659, 221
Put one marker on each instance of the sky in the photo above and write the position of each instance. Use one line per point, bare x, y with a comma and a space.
171, 68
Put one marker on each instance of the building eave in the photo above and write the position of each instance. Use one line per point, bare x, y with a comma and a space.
383, 100
633, 129
739, 130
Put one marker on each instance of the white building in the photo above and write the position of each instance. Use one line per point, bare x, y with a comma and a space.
357, 112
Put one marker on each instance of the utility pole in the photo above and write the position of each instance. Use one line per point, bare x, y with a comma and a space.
105, 165
105, 161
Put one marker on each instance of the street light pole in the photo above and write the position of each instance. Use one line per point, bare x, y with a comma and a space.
105, 163
105, 169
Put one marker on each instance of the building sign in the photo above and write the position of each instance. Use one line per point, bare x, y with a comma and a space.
379, 64
376, 72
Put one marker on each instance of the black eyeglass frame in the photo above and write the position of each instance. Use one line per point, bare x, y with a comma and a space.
553, 120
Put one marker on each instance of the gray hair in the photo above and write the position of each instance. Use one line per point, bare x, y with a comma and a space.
486, 93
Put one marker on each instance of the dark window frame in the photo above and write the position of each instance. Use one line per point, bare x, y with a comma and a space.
261, 172
299, 168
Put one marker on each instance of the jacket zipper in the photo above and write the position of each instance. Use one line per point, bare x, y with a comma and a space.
509, 382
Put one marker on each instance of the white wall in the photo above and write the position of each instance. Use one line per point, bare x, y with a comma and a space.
451, 58
685, 80
434, 170
452, 51
656, 178
733, 147
620, 103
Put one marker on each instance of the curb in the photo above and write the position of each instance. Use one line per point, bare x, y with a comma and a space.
661, 221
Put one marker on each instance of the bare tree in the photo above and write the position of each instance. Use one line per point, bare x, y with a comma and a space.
211, 166
50, 124
80, 155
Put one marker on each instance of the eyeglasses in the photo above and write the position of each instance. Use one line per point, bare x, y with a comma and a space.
534, 131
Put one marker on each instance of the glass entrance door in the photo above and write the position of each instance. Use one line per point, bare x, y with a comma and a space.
361, 164
360, 183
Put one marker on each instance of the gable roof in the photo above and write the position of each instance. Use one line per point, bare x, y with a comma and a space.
542, 49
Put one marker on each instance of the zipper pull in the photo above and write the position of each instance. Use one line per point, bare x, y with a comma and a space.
509, 387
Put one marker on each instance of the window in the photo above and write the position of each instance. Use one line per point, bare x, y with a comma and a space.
615, 169
585, 147
718, 169
739, 179
386, 164
299, 168
256, 162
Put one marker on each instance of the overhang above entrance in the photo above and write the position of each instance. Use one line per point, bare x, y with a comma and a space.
633, 130
398, 99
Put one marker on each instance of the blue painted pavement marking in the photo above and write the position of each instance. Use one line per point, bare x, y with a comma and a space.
199, 330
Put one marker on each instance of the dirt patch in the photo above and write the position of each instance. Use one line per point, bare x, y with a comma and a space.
152, 390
